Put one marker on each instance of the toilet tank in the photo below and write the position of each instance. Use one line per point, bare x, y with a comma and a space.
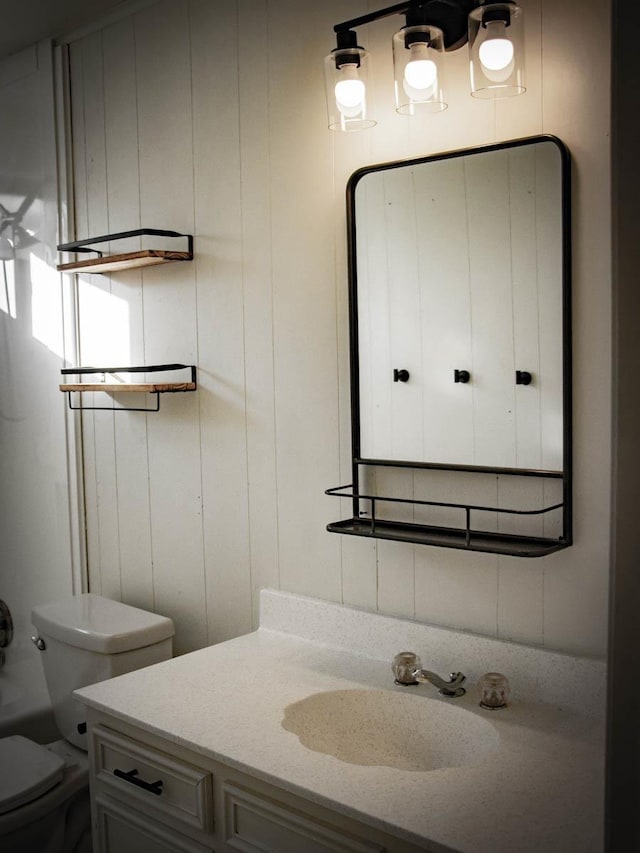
88, 638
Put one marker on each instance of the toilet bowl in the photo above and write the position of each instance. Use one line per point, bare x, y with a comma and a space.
44, 790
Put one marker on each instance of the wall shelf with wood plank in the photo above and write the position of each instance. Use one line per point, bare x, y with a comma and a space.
121, 387
124, 260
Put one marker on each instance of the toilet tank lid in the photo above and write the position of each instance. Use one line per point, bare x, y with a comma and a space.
98, 624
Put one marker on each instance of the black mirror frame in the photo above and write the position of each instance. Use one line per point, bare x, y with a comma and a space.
447, 537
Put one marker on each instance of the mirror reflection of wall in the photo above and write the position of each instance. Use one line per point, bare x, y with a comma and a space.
459, 264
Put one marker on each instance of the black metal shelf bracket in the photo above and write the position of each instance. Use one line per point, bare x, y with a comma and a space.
87, 244
81, 408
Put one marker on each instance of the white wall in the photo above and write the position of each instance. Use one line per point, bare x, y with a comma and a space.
210, 118
35, 556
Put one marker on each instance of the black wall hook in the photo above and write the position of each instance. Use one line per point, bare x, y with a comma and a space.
461, 376
400, 375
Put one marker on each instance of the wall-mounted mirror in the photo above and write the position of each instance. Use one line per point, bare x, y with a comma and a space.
459, 264
460, 312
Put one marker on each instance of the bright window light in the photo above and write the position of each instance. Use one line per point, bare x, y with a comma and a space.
105, 331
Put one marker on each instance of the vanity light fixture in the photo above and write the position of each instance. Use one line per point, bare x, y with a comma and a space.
432, 28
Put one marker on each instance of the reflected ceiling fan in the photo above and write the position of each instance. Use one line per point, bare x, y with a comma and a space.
13, 235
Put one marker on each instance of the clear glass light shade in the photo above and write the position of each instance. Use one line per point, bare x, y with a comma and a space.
417, 66
496, 50
346, 81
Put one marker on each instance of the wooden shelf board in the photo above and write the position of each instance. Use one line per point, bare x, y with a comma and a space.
446, 537
128, 260
121, 387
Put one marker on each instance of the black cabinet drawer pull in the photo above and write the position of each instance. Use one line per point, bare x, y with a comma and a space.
132, 776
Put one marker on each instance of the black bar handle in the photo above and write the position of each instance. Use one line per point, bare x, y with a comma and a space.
132, 776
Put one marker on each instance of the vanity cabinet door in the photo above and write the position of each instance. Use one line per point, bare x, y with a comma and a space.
123, 830
255, 823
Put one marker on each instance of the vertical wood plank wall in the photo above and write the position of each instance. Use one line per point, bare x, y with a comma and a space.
210, 118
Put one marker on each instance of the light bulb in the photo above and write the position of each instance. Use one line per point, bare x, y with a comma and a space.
420, 73
496, 51
349, 90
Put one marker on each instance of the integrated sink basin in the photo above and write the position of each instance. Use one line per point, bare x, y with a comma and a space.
391, 729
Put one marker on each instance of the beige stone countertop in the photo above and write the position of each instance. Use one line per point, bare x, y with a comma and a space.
542, 789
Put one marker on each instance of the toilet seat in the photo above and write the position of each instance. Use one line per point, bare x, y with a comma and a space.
74, 780
31, 771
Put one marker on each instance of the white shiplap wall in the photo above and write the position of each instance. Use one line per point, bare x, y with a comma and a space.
209, 118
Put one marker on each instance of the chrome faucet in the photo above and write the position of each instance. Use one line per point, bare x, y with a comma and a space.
407, 669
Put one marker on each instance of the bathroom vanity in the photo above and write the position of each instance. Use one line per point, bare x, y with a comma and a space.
295, 738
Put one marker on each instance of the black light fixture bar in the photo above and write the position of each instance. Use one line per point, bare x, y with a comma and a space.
449, 15
398, 9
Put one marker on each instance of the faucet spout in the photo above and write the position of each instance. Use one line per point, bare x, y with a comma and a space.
452, 687
407, 670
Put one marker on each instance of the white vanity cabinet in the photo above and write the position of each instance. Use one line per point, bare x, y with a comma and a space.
150, 795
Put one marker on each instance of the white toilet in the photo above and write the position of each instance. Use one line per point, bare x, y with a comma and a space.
44, 790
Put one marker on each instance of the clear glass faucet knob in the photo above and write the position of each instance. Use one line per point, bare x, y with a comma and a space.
404, 667
494, 690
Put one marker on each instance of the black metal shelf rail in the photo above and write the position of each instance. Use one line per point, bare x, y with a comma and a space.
149, 368
341, 492
87, 244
